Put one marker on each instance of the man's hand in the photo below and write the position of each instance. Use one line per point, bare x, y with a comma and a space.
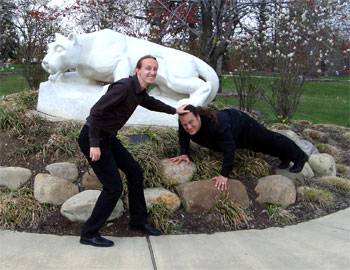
179, 159
181, 110
221, 182
95, 153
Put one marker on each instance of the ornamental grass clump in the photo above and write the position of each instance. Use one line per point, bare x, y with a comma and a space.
161, 143
313, 134
337, 183
230, 213
321, 196
20, 208
342, 169
326, 148
279, 214
63, 141
161, 218
249, 163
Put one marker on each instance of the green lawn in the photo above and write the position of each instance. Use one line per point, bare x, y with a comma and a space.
321, 102
10, 84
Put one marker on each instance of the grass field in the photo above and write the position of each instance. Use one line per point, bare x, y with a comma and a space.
321, 102
10, 84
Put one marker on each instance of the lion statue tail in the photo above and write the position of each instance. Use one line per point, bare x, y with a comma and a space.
209, 75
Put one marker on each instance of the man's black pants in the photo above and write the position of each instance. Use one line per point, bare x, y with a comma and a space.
260, 139
113, 156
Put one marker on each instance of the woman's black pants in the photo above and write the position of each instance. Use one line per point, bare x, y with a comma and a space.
114, 156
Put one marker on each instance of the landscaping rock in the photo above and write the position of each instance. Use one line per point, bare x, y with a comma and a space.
276, 189
79, 207
297, 178
289, 133
201, 195
162, 195
90, 180
53, 189
323, 165
346, 135
176, 174
14, 177
307, 147
64, 170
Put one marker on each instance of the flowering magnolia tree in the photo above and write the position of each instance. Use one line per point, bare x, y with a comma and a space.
124, 16
292, 41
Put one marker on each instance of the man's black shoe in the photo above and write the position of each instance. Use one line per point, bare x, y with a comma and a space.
96, 241
145, 228
284, 164
298, 166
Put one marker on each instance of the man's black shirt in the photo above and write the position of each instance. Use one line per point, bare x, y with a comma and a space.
112, 110
222, 137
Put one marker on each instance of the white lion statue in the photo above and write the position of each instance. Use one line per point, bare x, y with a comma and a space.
79, 64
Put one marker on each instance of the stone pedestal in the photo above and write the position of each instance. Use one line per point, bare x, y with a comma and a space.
73, 101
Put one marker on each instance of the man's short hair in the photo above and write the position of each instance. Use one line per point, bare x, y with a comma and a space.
139, 63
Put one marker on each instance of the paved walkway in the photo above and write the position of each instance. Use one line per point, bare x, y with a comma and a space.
322, 243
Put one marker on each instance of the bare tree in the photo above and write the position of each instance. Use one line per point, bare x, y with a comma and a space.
8, 33
208, 27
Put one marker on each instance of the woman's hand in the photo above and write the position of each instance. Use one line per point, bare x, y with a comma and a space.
179, 159
221, 182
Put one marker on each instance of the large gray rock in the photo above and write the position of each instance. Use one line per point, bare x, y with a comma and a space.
201, 195
307, 147
14, 177
176, 174
53, 189
276, 189
323, 165
289, 133
64, 170
162, 195
298, 178
79, 207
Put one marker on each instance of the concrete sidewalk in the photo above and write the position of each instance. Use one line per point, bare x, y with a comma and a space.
322, 243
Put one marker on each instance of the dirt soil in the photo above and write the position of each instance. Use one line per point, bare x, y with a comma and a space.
204, 222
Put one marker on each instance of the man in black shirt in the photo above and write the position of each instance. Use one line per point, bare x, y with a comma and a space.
225, 130
106, 154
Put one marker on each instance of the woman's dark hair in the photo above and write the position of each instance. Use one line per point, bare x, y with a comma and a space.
139, 63
205, 111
